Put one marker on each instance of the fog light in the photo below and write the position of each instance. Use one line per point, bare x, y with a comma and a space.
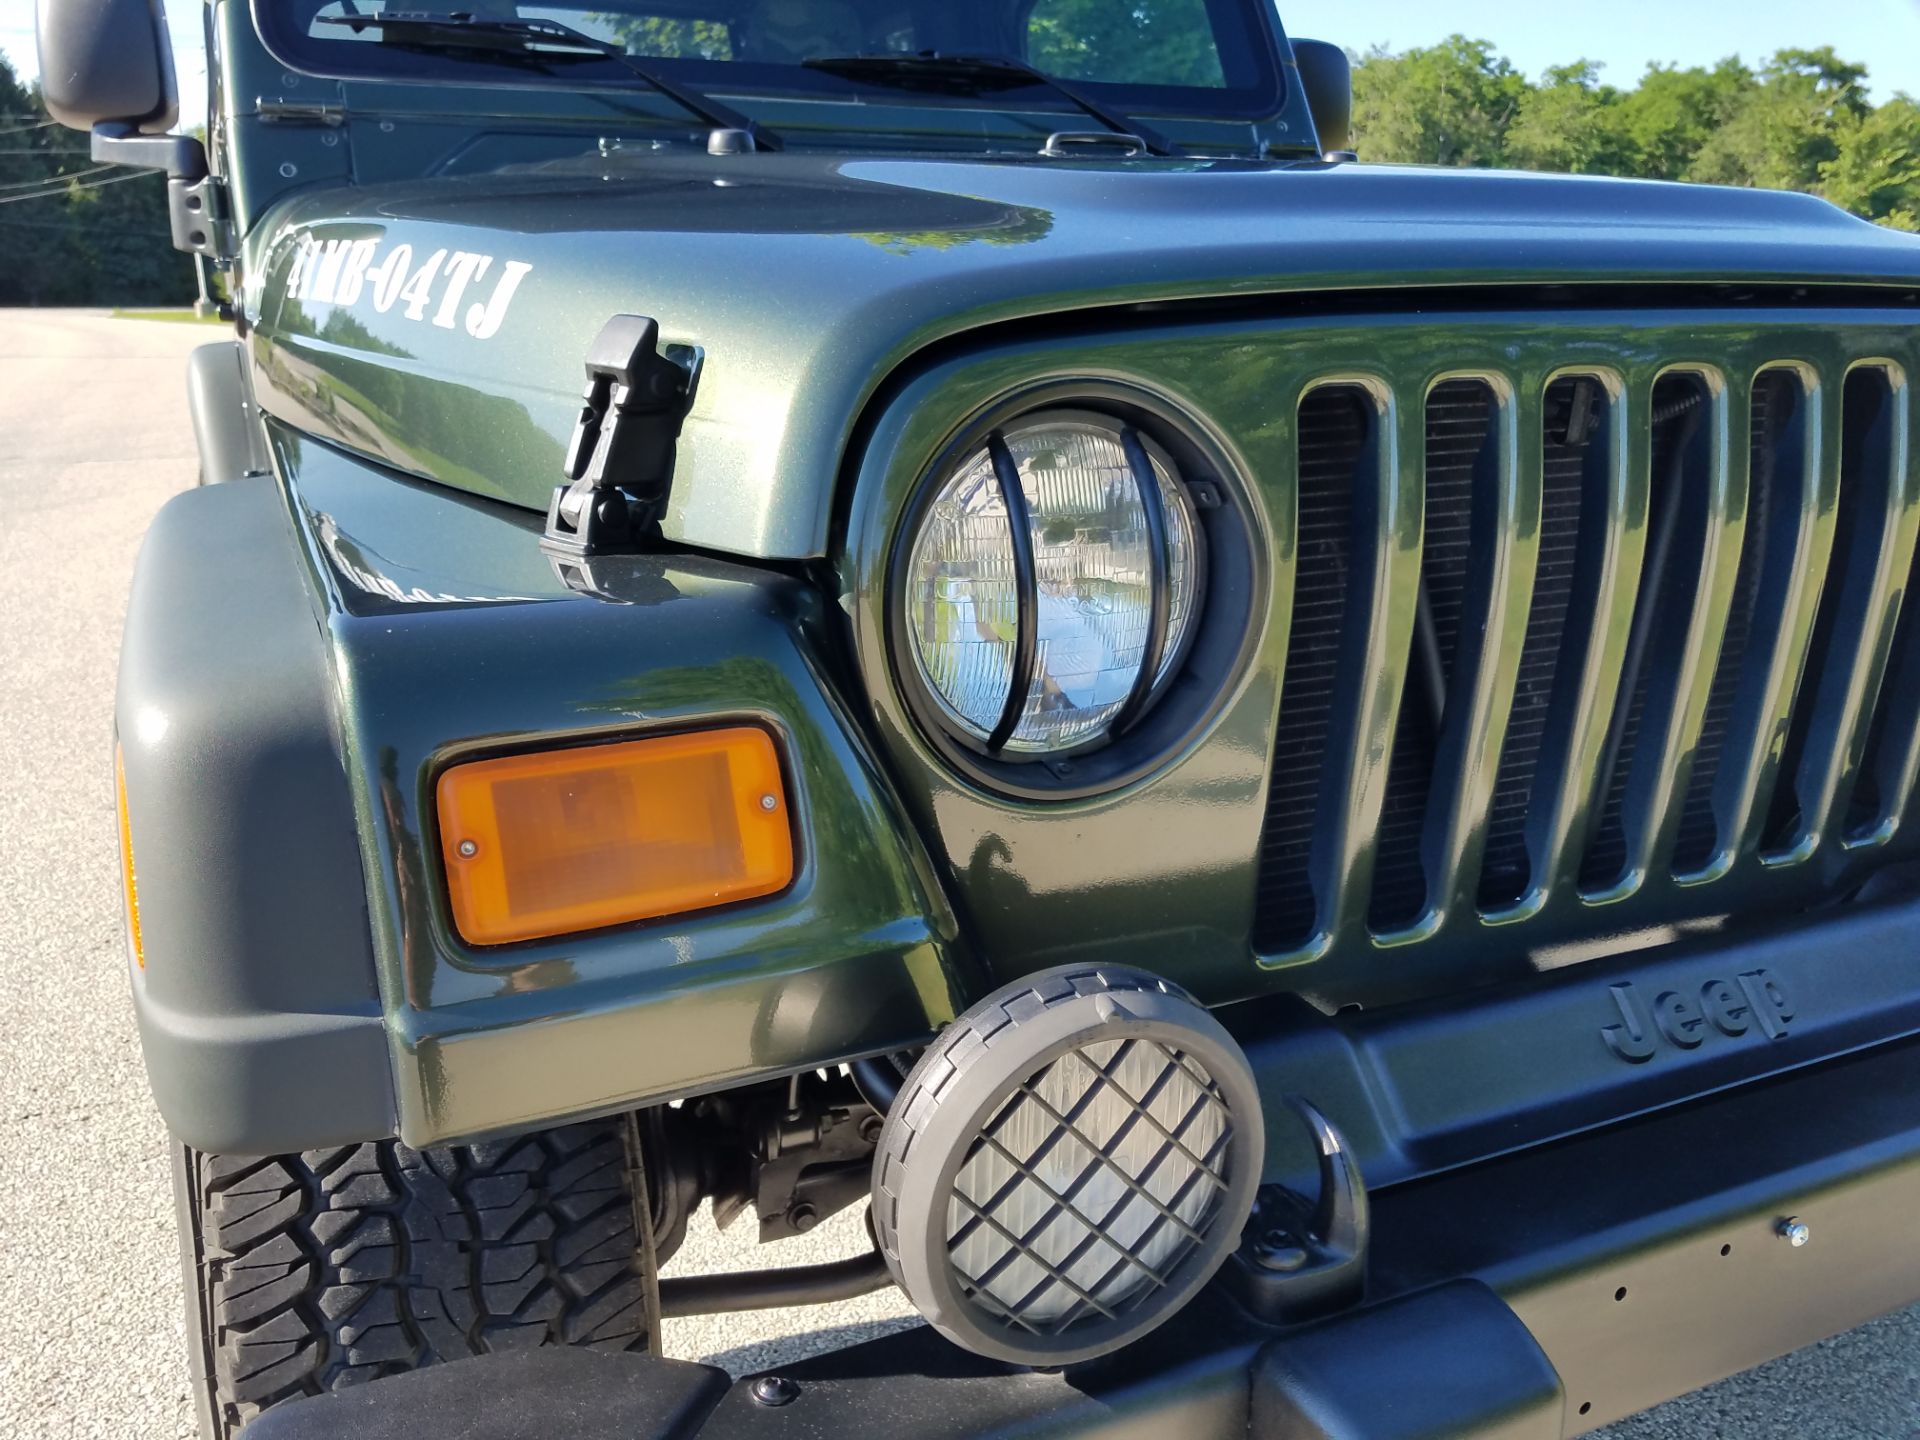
569, 840
1067, 1165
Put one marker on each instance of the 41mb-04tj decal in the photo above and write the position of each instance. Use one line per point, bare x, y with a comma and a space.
429, 288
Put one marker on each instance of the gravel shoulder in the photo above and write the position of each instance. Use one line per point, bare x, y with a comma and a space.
94, 437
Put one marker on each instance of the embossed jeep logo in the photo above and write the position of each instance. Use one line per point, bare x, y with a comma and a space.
1685, 1018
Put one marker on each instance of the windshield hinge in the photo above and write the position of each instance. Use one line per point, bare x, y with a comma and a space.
300, 112
620, 461
201, 218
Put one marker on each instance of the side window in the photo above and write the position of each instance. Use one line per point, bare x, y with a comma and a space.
1147, 42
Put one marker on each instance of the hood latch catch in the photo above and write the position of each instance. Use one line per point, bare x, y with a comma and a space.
620, 461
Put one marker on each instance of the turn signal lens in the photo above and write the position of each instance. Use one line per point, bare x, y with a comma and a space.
569, 840
130, 890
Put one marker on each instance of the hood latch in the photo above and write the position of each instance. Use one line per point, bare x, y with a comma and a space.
620, 461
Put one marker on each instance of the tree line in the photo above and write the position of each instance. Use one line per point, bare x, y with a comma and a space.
71, 232
1800, 121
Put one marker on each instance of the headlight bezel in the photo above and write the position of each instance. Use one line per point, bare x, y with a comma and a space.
1181, 703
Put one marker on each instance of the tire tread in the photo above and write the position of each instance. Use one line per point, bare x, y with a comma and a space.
336, 1267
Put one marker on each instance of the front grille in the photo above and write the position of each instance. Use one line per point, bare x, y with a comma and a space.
1650, 638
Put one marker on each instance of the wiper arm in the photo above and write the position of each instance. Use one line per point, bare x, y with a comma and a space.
933, 66
530, 39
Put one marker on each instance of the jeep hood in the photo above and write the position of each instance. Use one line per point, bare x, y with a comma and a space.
440, 325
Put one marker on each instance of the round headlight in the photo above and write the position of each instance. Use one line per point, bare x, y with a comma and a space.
1052, 586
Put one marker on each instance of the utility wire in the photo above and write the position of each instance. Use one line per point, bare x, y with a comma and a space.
28, 129
67, 175
76, 189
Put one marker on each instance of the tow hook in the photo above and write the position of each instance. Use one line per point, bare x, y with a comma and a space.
1303, 1258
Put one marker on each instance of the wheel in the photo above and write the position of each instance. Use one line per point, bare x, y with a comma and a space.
312, 1272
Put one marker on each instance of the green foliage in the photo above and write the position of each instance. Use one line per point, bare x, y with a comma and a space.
1449, 105
1150, 42
1801, 122
74, 241
1877, 170
668, 38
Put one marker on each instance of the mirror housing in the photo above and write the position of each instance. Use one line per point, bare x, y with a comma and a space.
107, 62
1326, 79
106, 67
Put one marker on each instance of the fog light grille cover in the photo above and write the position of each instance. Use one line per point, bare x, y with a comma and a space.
1067, 1165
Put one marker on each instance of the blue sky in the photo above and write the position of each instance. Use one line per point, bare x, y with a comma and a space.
1622, 34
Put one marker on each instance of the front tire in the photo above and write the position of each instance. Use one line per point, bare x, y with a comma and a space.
312, 1272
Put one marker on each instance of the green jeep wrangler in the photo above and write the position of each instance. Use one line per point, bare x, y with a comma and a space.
954, 608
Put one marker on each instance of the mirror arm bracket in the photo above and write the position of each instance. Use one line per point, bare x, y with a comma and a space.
197, 207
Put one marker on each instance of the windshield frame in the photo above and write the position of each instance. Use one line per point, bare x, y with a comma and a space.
282, 28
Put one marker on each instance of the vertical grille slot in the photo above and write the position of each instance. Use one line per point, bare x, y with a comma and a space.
1886, 773
1888, 768
1778, 493
1575, 475
1679, 480
1338, 427
1826, 735
1461, 471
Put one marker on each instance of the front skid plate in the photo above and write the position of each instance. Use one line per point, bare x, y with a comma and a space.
1539, 1295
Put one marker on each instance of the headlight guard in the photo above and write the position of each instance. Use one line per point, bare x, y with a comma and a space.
1068, 589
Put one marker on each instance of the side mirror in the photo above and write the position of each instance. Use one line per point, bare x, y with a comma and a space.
106, 66
1326, 79
107, 62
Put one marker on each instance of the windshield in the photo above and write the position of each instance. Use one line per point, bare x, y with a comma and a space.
1204, 58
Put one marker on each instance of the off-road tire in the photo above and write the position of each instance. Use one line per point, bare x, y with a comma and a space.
313, 1272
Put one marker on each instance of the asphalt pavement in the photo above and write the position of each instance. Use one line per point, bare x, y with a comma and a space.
94, 437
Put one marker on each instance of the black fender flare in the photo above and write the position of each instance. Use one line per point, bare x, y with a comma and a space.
259, 1010
226, 421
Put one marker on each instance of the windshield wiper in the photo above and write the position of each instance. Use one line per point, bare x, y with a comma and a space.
932, 66
533, 40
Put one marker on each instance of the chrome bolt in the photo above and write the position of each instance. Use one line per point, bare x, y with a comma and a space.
768, 802
775, 1390
1795, 1232
468, 849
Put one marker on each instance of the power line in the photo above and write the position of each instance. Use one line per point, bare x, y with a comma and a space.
24, 129
69, 175
76, 189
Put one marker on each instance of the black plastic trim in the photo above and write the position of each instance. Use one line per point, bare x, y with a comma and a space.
1026, 647
1421, 1089
259, 1011
1152, 653
226, 422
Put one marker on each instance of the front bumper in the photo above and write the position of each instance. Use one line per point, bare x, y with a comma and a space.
1538, 1295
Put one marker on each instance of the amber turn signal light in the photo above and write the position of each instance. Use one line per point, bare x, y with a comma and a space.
129, 888
567, 840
